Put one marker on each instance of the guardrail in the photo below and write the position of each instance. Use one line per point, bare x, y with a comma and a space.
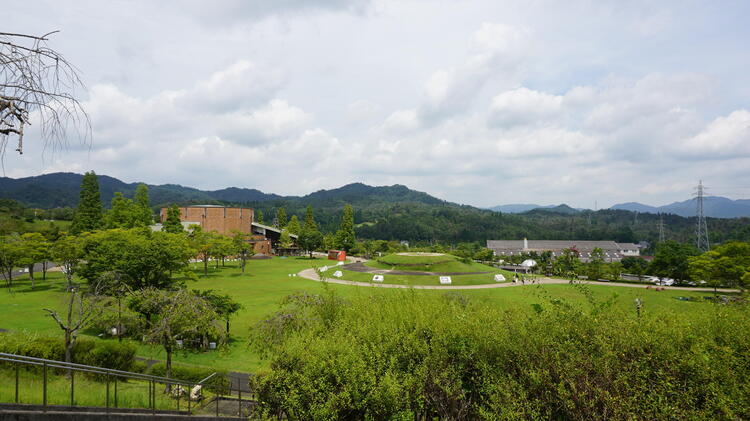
111, 379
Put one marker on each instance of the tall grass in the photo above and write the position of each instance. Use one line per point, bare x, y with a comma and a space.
407, 355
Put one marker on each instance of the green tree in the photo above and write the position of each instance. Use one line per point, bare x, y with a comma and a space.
143, 214
123, 213
88, 214
34, 249
595, 269
484, 255
172, 223
242, 247
345, 237
285, 240
142, 257
259, 216
224, 305
725, 265
11, 253
294, 226
309, 218
635, 265
176, 315
310, 239
567, 264
281, 220
68, 252
671, 260
204, 244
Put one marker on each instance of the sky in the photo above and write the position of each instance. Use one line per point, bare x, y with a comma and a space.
472, 101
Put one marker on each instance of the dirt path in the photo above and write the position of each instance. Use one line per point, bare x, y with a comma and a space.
310, 274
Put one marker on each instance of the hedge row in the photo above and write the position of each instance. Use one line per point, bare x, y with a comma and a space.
114, 355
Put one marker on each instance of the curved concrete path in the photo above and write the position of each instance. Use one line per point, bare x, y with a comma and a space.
310, 274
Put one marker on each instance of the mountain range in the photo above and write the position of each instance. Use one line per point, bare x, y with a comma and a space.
713, 206
61, 190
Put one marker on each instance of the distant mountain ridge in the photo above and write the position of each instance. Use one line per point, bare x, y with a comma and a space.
713, 206
521, 208
62, 190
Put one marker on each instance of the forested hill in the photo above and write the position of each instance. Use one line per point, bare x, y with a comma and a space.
394, 212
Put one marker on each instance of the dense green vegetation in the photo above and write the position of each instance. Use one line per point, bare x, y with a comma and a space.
407, 355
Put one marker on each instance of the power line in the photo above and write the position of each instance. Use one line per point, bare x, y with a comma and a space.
701, 231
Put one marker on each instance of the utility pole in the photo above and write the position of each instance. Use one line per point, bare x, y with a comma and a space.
701, 231
661, 228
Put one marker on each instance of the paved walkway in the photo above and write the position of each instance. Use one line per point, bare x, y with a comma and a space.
310, 274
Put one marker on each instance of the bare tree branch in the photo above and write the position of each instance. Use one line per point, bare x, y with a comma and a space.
37, 82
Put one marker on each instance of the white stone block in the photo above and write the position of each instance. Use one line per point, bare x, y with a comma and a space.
499, 277
378, 278
338, 274
445, 280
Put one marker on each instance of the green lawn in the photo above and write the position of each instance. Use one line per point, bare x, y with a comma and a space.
479, 279
266, 282
87, 392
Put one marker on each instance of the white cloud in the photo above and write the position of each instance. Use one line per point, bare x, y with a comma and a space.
725, 137
480, 102
523, 106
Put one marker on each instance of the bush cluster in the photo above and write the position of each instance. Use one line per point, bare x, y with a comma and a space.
409, 355
114, 355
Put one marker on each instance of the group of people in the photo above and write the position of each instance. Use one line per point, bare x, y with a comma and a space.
517, 278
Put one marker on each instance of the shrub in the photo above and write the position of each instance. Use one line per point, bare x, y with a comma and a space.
409, 355
193, 374
108, 354
114, 355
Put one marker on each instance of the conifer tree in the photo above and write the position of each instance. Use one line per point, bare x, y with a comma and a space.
310, 238
281, 219
88, 214
122, 214
309, 219
144, 215
293, 226
259, 216
172, 224
345, 237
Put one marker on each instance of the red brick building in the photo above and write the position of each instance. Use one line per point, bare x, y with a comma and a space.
224, 220
216, 218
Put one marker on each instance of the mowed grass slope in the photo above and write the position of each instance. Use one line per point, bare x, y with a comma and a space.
267, 282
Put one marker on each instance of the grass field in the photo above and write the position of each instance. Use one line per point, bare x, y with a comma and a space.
87, 392
478, 279
266, 282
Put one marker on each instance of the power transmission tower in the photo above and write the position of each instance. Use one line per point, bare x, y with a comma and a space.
701, 231
661, 228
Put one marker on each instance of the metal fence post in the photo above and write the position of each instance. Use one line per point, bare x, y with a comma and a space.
239, 406
189, 393
16, 382
216, 398
106, 404
116, 406
153, 398
72, 387
44, 388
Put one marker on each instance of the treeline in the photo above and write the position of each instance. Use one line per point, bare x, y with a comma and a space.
425, 224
